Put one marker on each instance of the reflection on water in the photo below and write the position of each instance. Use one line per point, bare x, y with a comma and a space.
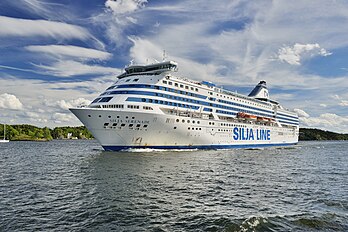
73, 185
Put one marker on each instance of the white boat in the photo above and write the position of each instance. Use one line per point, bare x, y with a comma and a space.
4, 140
149, 107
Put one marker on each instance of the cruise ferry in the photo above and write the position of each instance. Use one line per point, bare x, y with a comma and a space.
150, 107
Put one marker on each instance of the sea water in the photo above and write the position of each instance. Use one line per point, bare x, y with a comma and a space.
76, 186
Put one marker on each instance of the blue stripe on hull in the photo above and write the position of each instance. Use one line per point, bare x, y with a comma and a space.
119, 148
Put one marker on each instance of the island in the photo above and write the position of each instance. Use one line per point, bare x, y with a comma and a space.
32, 133
317, 134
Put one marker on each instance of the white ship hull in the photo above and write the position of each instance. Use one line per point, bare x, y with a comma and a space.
119, 130
148, 107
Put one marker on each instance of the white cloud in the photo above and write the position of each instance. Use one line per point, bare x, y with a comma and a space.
323, 105
41, 97
68, 68
293, 55
343, 103
60, 118
27, 28
65, 105
70, 51
124, 6
301, 113
327, 121
9, 101
118, 17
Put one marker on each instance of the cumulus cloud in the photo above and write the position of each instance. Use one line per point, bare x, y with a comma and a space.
9, 101
61, 117
69, 68
70, 51
293, 55
44, 28
65, 105
301, 113
327, 121
124, 6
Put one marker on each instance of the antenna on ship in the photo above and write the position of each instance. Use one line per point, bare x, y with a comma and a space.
164, 55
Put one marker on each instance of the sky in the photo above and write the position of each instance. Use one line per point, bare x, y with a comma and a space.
59, 54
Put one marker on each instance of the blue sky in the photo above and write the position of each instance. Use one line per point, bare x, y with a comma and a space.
58, 54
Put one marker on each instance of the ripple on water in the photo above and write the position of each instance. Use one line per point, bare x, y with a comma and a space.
73, 185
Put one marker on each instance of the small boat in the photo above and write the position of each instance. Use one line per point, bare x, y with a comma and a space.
4, 140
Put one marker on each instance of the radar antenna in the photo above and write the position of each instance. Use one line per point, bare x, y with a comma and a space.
164, 55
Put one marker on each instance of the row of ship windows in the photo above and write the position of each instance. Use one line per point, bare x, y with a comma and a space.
194, 128
186, 106
106, 99
188, 121
180, 85
157, 87
196, 107
163, 102
265, 105
123, 125
203, 102
194, 89
128, 80
118, 106
211, 93
110, 116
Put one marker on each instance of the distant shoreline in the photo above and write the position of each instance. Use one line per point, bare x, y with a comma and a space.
27, 132
310, 134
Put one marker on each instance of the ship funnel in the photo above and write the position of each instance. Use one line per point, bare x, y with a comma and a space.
260, 91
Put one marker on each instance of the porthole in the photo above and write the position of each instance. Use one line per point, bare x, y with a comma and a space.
193, 121
130, 125
109, 116
133, 117
188, 128
188, 121
145, 126
89, 115
99, 116
175, 128
183, 121
177, 120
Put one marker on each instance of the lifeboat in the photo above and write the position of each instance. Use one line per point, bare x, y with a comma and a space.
246, 116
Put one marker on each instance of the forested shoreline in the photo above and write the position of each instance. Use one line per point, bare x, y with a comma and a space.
27, 132
32, 133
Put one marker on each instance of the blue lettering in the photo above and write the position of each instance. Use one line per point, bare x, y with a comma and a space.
251, 136
268, 135
235, 133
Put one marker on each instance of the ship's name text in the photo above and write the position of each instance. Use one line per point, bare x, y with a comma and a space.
251, 134
129, 121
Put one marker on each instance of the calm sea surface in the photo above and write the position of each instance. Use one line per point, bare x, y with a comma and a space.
75, 186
